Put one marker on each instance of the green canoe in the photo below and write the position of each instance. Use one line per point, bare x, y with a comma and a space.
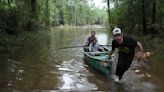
100, 61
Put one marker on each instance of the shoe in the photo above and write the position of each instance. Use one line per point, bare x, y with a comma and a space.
116, 78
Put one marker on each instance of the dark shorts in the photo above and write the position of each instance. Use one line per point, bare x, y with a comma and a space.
124, 62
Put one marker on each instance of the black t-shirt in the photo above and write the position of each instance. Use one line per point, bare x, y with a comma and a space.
127, 47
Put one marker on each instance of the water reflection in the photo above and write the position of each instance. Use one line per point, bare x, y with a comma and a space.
102, 38
74, 74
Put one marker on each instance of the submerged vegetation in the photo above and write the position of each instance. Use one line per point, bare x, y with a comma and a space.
23, 40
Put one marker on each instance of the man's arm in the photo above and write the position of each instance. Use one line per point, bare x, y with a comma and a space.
142, 50
110, 54
140, 47
113, 49
87, 41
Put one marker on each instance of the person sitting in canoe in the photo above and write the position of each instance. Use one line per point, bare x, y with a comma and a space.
95, 47
91, 38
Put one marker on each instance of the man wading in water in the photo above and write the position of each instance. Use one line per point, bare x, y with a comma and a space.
126, 46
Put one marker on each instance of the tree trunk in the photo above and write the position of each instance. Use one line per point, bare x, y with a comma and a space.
33, 7
47, 15
30, 24
154, 12
144, 27
109, 21
75, 14
61, 14
129, 18
61, 22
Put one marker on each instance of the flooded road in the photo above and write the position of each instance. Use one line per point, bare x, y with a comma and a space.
44, 67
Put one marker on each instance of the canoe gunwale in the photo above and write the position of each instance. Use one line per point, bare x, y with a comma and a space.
100, 64
93, 57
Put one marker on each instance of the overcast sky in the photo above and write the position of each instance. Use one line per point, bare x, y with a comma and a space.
99, 3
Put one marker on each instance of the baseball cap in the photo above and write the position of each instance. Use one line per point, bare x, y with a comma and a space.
116, 31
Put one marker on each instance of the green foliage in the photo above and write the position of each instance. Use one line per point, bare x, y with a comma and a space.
27, 15
17, 16
74, 12
128, 15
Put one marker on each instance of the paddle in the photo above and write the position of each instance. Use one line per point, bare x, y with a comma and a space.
98, 52
73, 47
79, 46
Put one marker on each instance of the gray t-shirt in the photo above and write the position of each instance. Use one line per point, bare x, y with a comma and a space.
94, 47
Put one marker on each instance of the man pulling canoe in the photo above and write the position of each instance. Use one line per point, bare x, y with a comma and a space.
126, 46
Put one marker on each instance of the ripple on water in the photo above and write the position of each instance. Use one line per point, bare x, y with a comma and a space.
73, 76
74, 82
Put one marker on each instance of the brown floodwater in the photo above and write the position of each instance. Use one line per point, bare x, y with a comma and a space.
44, 67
